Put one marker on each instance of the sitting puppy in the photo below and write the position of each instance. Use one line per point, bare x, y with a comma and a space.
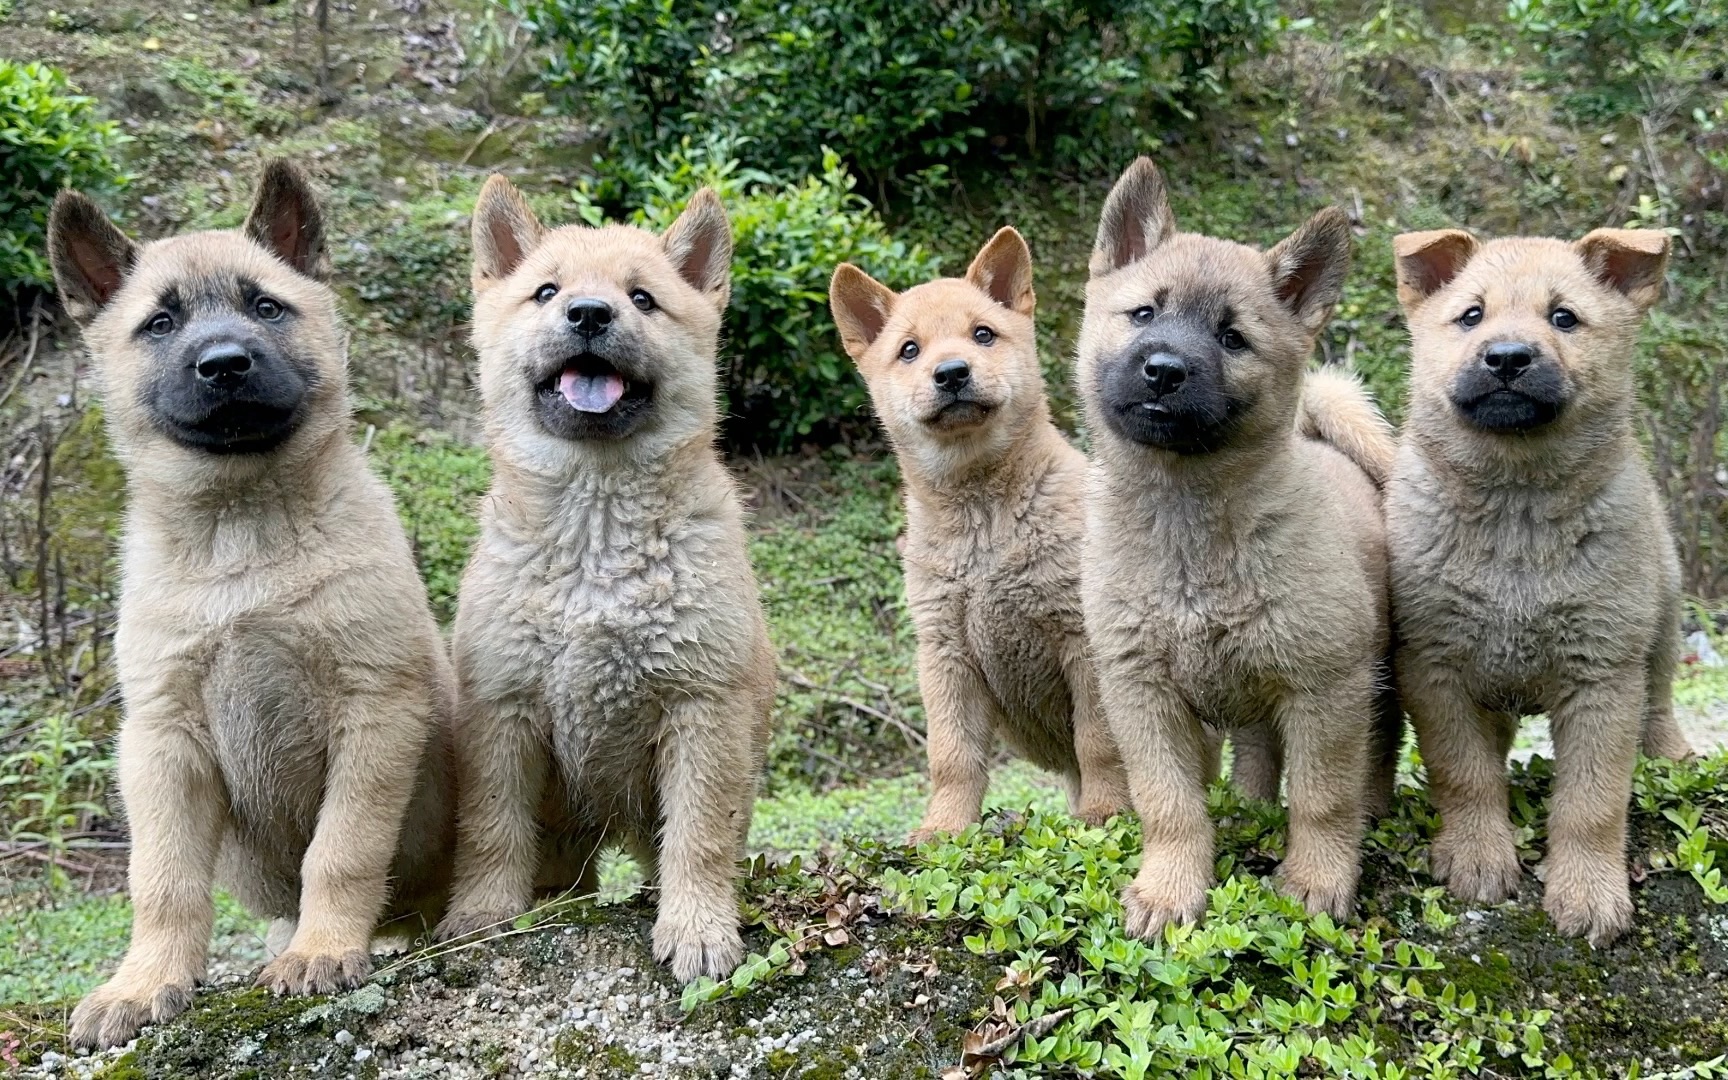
1532, 567
993, 524
288, 700
615, 673
1235, 570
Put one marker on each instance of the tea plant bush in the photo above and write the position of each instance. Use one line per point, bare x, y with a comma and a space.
50, 138
892, 85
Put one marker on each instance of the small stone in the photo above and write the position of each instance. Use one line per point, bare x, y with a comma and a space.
344, 1037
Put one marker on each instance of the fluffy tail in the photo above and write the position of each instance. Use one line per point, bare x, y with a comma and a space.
1338, 411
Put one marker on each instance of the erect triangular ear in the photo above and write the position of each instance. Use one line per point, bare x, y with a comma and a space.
504, 230
1136, 218
699, 244
1633, 261
1003, 269
286, 219
1427, 261
90, 257
1308, 267
861, 305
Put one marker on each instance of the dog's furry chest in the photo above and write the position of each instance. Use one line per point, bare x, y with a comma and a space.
1524, 601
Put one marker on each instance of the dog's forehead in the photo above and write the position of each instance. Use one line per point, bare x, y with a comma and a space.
947, 307
615, 253
1526, 272
1191, 271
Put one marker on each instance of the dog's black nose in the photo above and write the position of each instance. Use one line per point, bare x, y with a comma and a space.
223, 363
1508, 359
1164, 373
952, 375
589, 316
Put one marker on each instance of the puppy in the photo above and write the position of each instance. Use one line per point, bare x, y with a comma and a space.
994, 517
615, 673
1532, 567
1235, 552
287, 696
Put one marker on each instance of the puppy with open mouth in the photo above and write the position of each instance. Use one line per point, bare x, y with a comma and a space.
613, 660
1532, 566
994, 516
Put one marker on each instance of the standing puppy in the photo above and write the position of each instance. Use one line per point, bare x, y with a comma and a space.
1532, 567
1235, 553
994, 517
287, 695
615, 671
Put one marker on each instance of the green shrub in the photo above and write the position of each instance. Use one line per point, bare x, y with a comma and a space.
52, 139
786, 377
893, 85
1605, 50
438, 482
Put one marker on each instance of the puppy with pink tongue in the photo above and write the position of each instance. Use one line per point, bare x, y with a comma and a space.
614, 665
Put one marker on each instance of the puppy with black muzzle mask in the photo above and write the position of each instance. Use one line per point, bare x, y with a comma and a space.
1532, 566
288, 701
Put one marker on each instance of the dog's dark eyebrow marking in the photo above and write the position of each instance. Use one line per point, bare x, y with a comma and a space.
1227, 316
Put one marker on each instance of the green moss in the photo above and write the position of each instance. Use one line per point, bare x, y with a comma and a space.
574, 1048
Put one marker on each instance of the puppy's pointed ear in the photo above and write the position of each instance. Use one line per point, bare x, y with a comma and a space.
861, 305
504, 231
1428, 261
1003, 270
1308, 267
90, 257
699, 244
1136, 218
1631, 261
286, 219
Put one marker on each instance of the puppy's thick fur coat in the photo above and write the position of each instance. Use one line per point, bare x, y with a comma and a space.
1235, 551
616, 677
1532, 566
994, 516
287, 696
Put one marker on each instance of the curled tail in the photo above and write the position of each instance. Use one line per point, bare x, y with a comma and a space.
1337, 410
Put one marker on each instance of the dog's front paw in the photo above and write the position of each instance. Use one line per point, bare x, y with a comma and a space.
694, 948
470, 922
1149, 906
1588, 899
112, 1013
1482, 867
313, 971
1099, 812
1333, 893
930, 830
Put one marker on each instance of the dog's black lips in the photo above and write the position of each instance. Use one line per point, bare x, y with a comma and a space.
959, 412
564, 420
239, 427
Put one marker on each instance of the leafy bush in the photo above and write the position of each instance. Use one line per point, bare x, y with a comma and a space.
1606, 49
787, 378
52, 139
893, 85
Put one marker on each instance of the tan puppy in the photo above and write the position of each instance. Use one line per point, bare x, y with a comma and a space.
287, 696
994, 515
1532, 566
1235, 566
615, 670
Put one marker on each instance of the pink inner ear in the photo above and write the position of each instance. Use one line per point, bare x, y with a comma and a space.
98, 268
1431, 268
504, 243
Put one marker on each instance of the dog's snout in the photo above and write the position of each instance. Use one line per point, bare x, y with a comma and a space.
1164, 373
1508, 359
952, 375
223, 363
589, 316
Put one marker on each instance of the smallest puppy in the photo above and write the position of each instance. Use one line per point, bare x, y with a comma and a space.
994, 523
1532, 567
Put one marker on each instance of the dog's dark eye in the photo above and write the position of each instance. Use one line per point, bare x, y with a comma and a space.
161, 324
1232, 339
641, 299
1471, 317
983, 335
1563, 319
267, 309
909, 351
1140, 316
545, 293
